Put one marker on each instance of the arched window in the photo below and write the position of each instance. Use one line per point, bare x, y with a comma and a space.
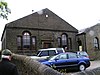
96, 43
64, 38
26, 40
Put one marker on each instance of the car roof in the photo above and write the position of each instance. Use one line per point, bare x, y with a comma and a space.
67, 52
51, 49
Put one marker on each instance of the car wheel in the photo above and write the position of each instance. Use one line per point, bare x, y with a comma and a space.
82, 67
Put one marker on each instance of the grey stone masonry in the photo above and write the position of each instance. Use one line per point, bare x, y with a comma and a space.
28, 66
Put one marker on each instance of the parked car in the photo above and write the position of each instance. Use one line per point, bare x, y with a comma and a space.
44, 53
67, 60
82, 54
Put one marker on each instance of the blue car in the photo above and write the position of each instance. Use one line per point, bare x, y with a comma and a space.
67, 60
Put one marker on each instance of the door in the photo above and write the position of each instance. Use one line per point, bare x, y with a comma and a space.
61, 61
46, 44
72, 60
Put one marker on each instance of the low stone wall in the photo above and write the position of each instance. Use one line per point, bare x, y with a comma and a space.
29, 66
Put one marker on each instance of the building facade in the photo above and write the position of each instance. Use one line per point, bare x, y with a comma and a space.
42, 29
89, 40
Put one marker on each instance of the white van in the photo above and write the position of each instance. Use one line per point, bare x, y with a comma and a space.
44, 53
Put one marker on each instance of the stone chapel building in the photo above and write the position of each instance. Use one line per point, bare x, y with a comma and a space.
89, 40
42, 29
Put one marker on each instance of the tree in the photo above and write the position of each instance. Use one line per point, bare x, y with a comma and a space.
4, 10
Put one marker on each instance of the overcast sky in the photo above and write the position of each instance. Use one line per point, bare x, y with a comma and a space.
79, 13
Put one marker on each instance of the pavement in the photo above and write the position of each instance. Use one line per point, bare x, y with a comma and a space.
94, 64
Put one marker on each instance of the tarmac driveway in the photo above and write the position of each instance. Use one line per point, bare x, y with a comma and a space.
94, 64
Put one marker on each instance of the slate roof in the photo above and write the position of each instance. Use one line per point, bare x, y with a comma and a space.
35, 20
89, 28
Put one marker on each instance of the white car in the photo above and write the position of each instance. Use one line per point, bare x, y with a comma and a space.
44, 53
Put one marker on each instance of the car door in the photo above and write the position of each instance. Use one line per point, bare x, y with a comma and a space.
72, 60
60, 61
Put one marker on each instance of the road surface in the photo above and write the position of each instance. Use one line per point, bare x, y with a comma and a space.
94, 64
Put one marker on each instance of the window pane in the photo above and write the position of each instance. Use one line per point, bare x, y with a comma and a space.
60, 51
33, 42
70, 43
72, 55
59, 42
26, 40
64, 56
19, 42
44, 53
52, 52
64, 39
96, 43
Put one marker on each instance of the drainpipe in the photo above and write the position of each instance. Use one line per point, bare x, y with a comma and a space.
85, 42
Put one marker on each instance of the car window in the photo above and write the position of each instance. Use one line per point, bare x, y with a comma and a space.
60, 51
63, 56
72, 55
83, 53
52, 52
44, 53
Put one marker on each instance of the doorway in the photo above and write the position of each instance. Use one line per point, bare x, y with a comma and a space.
47, 44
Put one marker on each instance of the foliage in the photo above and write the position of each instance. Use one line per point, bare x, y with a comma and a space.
4, 10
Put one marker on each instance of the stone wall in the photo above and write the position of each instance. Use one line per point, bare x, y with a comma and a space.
28, 66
